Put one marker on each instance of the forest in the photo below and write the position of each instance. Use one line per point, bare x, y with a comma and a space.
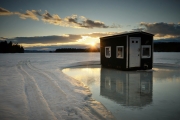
167, 47
10, 47
77, 50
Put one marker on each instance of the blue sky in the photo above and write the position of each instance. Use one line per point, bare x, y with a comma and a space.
51, 24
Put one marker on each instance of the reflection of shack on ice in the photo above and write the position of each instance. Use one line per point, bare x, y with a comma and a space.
127, 88
127, 51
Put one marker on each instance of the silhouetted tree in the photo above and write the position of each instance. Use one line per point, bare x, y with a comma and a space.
76, 50
10, 47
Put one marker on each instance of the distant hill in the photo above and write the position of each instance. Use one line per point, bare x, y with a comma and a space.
167, 41
77, 50
36, 51
166, 46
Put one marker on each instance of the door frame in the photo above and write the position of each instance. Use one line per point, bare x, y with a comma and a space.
139, 41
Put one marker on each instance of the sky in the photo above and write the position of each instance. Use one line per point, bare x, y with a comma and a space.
52, 24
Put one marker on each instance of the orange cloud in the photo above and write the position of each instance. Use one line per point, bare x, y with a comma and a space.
45, 39
52, 19
5, 12
73, 21
29, 14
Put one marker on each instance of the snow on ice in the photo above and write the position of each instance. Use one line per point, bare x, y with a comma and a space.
32, 86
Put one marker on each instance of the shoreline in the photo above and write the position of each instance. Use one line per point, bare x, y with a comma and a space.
96, 107
96, 64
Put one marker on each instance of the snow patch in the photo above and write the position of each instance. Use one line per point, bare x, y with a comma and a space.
32, 86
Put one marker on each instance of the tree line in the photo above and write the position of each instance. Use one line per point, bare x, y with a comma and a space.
6, 47
167, 47
77, 50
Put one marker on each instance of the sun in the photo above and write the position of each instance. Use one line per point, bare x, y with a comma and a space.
92, 44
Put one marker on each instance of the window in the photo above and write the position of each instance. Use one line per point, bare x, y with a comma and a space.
107, 52
146, 51
119, 52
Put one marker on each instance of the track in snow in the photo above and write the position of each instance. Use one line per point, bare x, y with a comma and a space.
46, 98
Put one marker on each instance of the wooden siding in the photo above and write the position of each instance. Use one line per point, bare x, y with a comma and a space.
113, 62
121, 40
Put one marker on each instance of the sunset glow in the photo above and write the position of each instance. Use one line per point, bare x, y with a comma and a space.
93, 44
57, 24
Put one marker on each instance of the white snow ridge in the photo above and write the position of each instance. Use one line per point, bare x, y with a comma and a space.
33, 87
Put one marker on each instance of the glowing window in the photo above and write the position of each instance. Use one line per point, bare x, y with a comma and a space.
108, 52
119, 52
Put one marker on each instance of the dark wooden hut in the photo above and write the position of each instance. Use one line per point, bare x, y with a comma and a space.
128, 51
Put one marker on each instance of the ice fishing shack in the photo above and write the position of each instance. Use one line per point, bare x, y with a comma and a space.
128, 51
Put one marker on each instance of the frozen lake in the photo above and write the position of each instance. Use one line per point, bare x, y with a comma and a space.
33, 86
137, 95
134, 95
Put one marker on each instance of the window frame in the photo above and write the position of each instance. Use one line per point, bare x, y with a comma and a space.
122, 52
146, 46
108, 56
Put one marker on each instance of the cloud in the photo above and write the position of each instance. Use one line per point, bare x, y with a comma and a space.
83, 22
73, 21
45, 39
52, 19
36, 12
29, 14
93, 24
138, 29
162, 29
3, 38
177, 39
53, 39
87, 23
100, 34
47, 15
5, 12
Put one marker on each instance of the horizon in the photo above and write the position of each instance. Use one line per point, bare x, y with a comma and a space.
49, 25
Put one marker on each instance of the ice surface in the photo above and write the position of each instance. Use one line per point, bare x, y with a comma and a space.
135, 95
32, 86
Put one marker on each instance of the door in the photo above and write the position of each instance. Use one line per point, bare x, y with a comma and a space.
134, 52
